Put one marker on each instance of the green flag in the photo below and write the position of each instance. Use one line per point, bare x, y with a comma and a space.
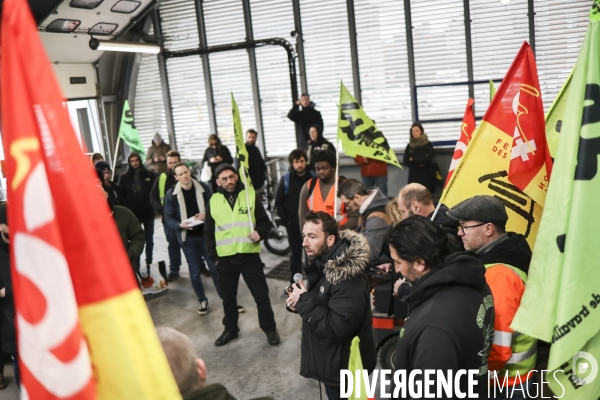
355, 364
129, 133
240, 146
554, 117
561, 303
492, 90
358, 133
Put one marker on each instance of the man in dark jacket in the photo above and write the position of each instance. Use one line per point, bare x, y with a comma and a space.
373, 222
337, 306
450, 324
416, 199
506, 256
107, 182
188, 370
305, 118
256, 163
185, 209
287, 201
236, 222
136, 184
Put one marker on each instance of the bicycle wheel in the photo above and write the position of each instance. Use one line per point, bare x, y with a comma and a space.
277, 241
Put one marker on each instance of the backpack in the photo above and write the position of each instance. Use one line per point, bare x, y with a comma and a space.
286, 182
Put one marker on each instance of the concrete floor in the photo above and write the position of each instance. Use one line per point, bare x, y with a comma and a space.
249, 367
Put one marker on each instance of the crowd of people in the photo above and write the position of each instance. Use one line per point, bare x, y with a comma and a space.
460, 272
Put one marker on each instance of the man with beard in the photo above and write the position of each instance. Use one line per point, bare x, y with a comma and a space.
256, 164
506, 256
336, 307
286, 203
451, 311
234, 247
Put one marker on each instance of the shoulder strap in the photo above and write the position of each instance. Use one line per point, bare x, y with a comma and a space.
286, 183
311, 186
381, 215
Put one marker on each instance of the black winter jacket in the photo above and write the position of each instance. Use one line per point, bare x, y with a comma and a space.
419, 169
287, 204
336, 308
209, 153
306, 117
450, 322
258, 169
513, 251
137, 199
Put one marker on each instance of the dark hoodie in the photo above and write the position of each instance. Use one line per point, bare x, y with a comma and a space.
314, 146
449, 325
449, 226
375, 226
336, 308
513, 250
287, 203
136, 185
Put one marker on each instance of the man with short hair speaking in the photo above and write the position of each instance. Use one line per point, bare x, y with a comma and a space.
450, 324
336, 307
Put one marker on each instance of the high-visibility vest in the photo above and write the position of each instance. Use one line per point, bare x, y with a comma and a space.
162, 182
315, 202
522, 348
232, 226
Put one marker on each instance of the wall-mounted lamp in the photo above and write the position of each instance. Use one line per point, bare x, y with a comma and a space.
107, 45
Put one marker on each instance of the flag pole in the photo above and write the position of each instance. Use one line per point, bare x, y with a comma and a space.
247, 198
436, 210
337, 169
115, 159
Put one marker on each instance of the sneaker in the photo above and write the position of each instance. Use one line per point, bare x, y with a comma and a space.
173, 276
203, 309
241, 309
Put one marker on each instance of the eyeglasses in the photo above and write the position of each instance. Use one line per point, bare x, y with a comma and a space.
463, 228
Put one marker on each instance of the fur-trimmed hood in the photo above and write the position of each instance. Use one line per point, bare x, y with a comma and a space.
350, 259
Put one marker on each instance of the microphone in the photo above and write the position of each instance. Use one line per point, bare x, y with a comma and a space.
297, 277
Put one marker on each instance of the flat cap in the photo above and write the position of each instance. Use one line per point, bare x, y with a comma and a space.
223, 167
479, 208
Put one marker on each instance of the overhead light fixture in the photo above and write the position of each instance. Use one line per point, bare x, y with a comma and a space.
85, 4
126, 6
107, 45
103, 29
505, 2
63, 25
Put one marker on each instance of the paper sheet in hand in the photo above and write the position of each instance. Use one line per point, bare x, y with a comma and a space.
193, 221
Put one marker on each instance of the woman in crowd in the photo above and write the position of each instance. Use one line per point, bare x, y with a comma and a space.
418, 157
216, 154
317, 143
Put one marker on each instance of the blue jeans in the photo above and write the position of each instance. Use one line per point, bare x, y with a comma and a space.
379, 181
174, 249
194, 249
149, 231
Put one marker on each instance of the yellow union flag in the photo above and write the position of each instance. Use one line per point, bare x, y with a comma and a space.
508, 156
358, 133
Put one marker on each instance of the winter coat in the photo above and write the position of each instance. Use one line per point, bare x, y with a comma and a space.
257, 166
209, 153
213, 392
419, 169
370, 167
155, 193
287, 204
137, 198
157, 151
175, 203
450, 321
374, 223
449, 226
336, 308
306, 117
131, 231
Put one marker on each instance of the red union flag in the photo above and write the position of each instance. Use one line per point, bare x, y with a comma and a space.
518, 111
466, 131
84, 331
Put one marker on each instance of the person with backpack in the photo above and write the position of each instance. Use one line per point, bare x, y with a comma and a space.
286, 203
319, 193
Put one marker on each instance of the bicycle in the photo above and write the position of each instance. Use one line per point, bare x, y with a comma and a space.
277, 240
